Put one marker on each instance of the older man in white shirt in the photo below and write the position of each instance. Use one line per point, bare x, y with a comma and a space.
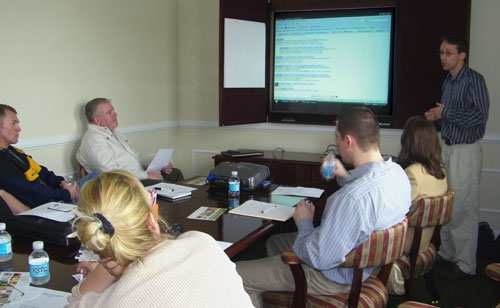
105, 148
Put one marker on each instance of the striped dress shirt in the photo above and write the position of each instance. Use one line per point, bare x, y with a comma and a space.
466, 103
373, 197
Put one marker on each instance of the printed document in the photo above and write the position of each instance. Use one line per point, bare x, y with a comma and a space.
41, 298
207, 213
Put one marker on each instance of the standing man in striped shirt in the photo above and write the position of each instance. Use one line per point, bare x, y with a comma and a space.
462, 113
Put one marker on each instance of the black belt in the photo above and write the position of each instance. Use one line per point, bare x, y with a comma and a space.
448, 141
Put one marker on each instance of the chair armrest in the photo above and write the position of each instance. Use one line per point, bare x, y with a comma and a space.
300, 293
289, 257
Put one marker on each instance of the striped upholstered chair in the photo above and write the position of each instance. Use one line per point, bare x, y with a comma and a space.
380, 250
429, 212
493, 271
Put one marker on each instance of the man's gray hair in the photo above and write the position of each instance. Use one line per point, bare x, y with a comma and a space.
91, 107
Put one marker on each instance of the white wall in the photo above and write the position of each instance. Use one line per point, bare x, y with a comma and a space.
158, 61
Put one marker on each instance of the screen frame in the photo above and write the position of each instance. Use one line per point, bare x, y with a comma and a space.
385, 113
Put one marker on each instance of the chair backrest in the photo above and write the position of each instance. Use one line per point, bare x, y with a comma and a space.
431, 211
81, 171
383, 247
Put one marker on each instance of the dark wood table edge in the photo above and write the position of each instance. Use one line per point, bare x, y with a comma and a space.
251, 238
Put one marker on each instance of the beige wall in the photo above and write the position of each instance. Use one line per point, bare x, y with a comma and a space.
158, 61
57, 54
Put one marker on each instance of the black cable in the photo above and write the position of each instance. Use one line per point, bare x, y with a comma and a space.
331, 148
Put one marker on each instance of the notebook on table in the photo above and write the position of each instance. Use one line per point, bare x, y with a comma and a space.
171, 191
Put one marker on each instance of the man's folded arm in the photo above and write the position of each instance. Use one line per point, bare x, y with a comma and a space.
33, 193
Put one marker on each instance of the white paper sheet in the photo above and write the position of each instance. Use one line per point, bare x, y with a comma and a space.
161, 159
41, 298
224, 245
57, 211
299, 191
264, 210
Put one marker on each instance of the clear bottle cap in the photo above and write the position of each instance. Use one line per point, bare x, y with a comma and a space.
2, 226
234, 173
38, 245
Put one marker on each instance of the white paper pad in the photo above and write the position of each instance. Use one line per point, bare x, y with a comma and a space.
264, 210
299, 191
57, 211
161, 159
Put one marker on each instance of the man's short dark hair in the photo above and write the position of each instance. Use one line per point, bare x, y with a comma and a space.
362, 124
91, 107
3, 108
460, 42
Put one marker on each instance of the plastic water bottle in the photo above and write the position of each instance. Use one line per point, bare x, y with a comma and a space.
234, 202
234, 184
5, 244
69, 180
328, 167
39, 264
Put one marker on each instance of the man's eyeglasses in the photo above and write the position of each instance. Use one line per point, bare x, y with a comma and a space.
447, 53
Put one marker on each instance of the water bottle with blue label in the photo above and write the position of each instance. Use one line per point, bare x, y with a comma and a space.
328, 167
234, 184
5, 244
39, 264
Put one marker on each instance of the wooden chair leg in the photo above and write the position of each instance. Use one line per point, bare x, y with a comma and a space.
352, 301
300, 295
409, 289
431, 287
495, 286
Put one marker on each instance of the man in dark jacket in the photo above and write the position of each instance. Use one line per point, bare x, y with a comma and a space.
21, 176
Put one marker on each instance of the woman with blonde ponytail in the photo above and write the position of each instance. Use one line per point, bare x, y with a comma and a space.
141, 266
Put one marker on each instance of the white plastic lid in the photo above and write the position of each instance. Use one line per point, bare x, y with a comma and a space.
38, 245
234, 173
2, 226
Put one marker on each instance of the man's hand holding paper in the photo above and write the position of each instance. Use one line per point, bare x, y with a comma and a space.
161, 161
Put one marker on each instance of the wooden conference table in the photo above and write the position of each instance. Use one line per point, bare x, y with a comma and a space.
240, 230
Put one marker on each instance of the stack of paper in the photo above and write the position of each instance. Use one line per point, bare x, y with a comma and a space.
264, 210
171, 191
298, 191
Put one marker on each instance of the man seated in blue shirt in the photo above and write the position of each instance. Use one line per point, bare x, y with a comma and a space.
375, 195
